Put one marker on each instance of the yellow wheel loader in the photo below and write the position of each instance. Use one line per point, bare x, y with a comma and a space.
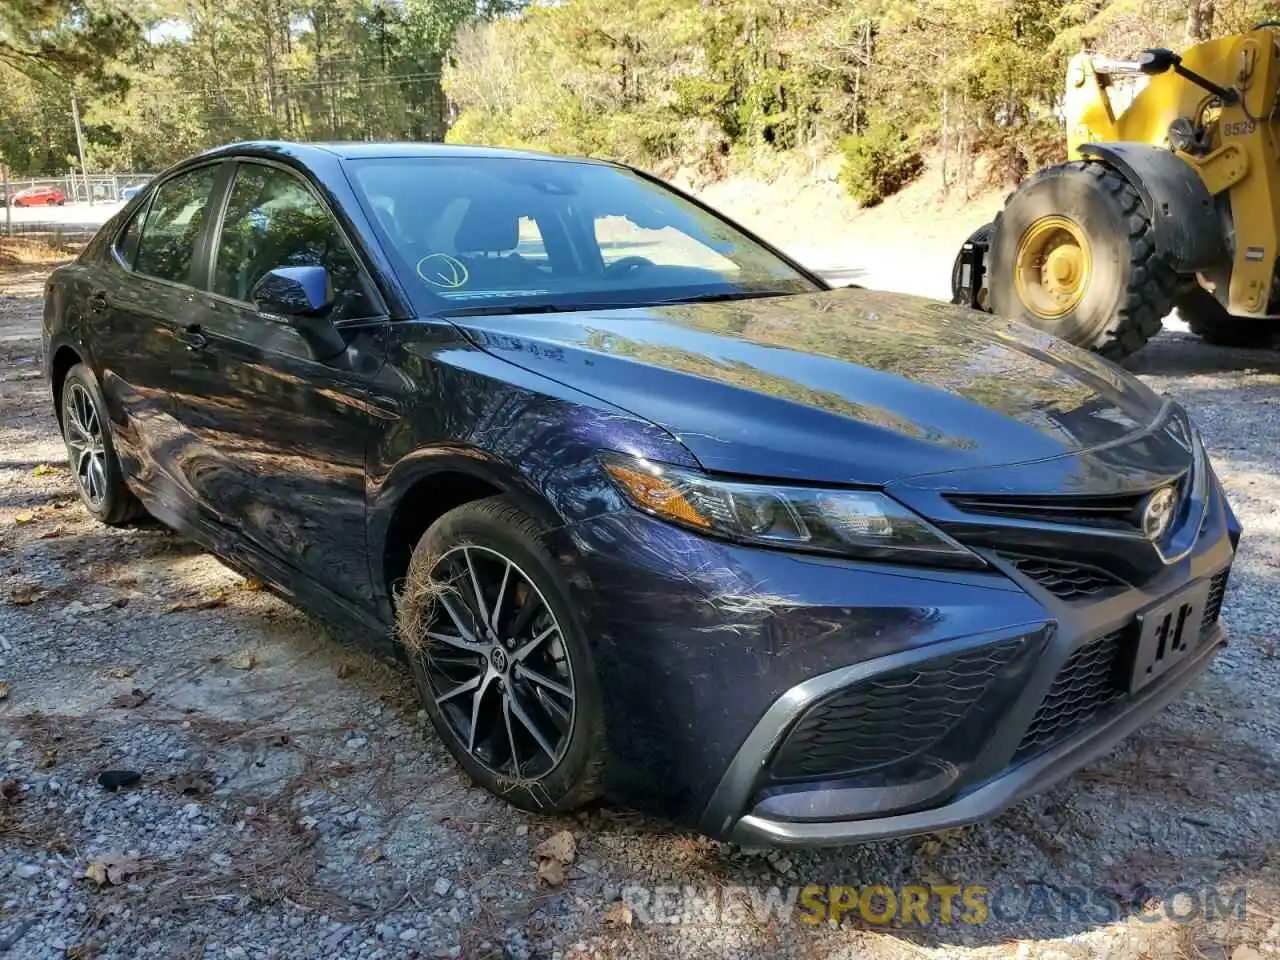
1172, 199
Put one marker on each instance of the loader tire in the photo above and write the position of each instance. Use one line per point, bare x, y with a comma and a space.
960, 293
1073, 253
1209, 320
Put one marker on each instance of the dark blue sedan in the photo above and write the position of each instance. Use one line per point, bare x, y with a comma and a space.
648, 510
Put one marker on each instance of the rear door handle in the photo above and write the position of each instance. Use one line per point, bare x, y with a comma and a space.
193, 337
99, 303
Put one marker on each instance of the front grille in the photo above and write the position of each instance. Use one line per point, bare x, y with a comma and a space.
890, 717
1087, 684
1112, 512
1067, 581
1213, 606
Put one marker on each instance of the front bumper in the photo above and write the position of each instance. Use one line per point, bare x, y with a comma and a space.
711, 656
993, 796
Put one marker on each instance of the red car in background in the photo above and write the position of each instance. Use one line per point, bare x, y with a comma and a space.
39, 197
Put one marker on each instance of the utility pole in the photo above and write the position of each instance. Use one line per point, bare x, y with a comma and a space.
8, 202
84, 170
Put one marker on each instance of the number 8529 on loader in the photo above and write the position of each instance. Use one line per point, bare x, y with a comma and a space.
1172, 201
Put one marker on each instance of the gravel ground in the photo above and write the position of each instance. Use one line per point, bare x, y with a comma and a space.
291, 804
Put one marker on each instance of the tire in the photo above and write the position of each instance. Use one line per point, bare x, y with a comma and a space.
484, 535
1210, 321
959, 294
101, 488
1125, 290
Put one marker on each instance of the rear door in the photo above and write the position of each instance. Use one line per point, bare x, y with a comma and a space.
285, 431
145, 337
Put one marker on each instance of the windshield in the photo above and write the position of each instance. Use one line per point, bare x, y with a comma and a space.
492, 234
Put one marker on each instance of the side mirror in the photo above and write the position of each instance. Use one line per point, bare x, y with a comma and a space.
293, 291
301, 297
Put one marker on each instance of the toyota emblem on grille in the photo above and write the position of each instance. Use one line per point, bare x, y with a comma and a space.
1157, 513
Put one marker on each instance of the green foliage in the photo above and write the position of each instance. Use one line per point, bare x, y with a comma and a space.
878, 162
661, 83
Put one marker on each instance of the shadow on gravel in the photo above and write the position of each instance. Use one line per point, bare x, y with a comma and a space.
1185, 355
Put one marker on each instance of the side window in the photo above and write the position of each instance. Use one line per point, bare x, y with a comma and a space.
168, 242
531, 246
127, 242
273, 220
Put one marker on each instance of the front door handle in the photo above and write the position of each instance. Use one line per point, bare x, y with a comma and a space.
192, 336
99, 303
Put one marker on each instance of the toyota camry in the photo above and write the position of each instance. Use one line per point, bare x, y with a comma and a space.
649, 511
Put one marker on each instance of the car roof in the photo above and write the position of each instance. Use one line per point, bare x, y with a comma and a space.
304, 152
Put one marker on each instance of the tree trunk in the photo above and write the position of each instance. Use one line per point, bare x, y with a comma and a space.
1200, 15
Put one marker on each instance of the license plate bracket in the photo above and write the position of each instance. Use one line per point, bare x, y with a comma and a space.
1167, 634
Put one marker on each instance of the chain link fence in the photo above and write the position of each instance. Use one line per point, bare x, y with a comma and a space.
62, 212
77, 188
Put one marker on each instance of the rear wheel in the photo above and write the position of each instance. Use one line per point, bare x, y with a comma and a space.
960, 290
501, 664
1073, 253
91, 452
1209, 320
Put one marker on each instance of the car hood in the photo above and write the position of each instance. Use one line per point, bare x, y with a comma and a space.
844, 386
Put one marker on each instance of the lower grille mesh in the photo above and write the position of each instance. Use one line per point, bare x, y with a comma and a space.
1091, 681
1087, 683
1213, 606
1067, 581
890, 717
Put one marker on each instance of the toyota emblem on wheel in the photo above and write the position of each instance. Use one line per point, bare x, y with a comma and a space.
1157, 513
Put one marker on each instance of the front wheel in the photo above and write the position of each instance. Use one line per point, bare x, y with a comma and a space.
1074, 254
501, 664
91, 452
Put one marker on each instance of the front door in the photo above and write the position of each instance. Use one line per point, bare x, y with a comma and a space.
142, 306
287, 430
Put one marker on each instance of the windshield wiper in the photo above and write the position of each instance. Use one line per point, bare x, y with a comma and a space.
719, 297
502, 309
510, 309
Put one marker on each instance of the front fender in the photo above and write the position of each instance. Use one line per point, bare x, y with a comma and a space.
1188, 230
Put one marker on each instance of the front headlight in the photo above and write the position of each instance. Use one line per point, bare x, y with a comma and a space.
857, 523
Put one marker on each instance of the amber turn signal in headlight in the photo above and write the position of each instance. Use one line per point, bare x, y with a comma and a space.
857, 523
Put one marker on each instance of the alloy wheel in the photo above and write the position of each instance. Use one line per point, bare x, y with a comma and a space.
497, 665
82, 429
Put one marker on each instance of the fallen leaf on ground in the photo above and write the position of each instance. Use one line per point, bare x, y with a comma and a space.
52, 533
197, 782
127, 701
206, 602
554, 854
251, 584
122, 673
25, 594
551, 872
618, 915
25, 517
43, 470
9, 790
47, 759
112, 868
244, 660
371, 855
4, 689
559, 846
1245, 952
113, 780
